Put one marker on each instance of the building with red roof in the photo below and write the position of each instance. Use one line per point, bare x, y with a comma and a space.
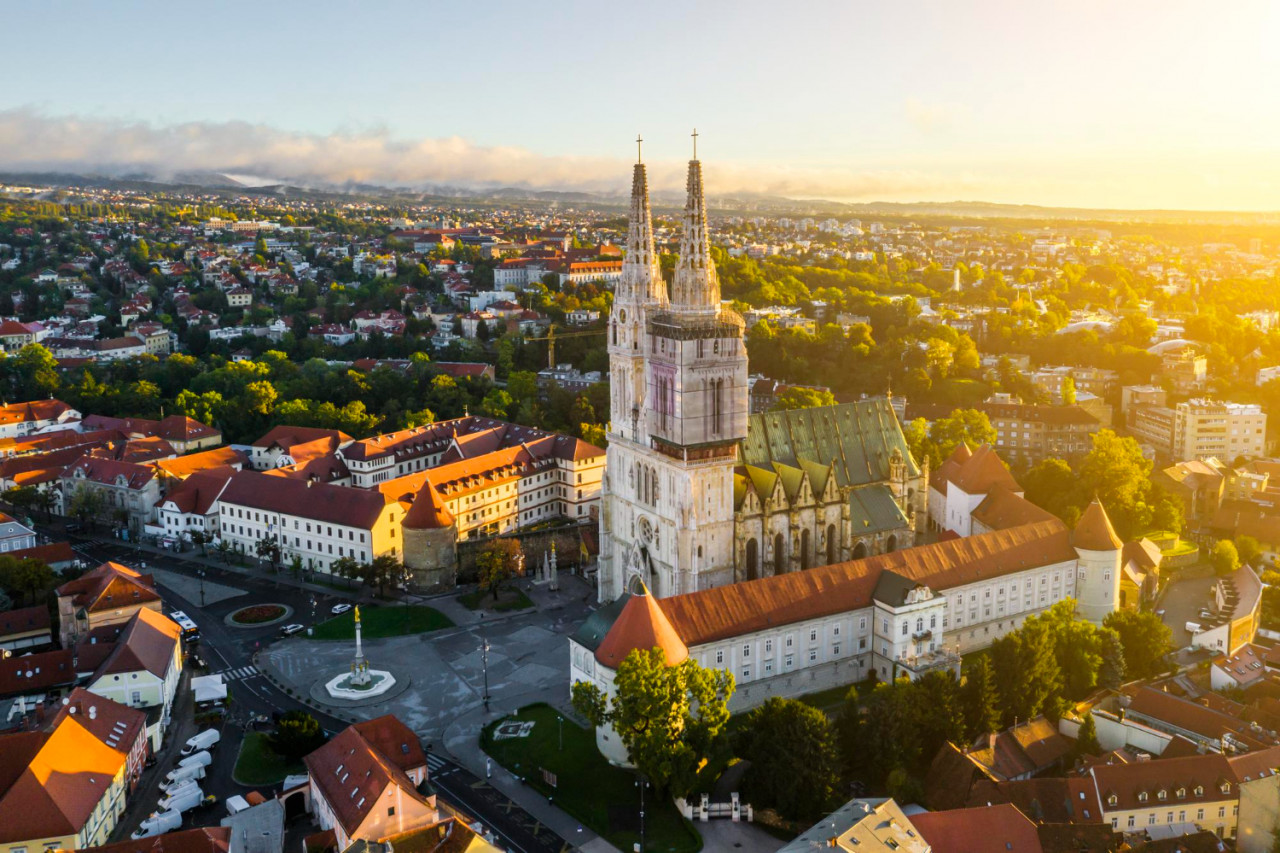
107, 595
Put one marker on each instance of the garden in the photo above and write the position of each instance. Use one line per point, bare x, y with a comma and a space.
375, 622
259, 614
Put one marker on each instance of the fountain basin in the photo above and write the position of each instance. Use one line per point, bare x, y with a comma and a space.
347, 686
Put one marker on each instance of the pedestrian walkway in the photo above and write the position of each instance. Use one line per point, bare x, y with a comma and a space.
239, 672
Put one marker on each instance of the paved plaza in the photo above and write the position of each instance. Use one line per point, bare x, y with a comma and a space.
188, 587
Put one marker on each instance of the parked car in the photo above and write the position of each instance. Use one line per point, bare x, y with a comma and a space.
236, 804
158, 824
204, 740
339, 609
1206, 613
291, 629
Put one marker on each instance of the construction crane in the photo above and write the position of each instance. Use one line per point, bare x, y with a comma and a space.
552, 336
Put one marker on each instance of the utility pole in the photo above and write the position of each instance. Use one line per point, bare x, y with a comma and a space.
484, 657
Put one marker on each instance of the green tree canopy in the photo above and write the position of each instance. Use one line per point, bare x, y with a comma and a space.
1145, 639
670, 718
792, 750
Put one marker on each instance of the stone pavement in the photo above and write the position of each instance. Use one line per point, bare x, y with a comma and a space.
189, 588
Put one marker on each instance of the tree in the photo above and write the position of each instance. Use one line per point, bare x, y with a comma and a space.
979, 700
1248, 549
1224, 558
1052, 485
22, 497
346, 567
1068, 391
1116, 472
1111, 673
85, 503
267, 549
384, 569
25, 580
1146, 641
199, 537
224, 550
848, 727
1027, 673
499, 561
962, 425
803, 398
1087, 737
297, 734
670, 718
792, 750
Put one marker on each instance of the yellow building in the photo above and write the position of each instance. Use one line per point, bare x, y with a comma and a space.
65, 789
1177, 795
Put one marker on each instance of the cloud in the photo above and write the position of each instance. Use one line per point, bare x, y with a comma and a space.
31, 141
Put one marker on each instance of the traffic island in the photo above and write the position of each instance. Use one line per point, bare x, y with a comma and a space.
258, 615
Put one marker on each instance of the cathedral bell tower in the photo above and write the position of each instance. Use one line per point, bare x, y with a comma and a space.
673, 444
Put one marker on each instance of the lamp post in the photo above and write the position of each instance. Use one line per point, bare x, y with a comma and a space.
560, 720
484, 658
642, 784
200, 572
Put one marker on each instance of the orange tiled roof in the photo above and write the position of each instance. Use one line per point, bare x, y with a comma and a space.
642, 624
1094, 531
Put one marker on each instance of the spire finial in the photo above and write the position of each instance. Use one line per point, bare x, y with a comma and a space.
639, 159
695, 143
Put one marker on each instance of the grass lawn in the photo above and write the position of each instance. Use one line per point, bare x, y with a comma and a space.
509, 599
257, 764
603, 797
383, 622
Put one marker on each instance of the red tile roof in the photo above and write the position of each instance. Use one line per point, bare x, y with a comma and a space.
351, 773
115, 725
1094, 531
982, 472
727, 611
1127, 782
358, 508
198, 492
109, 586
150, 642
24, 620
988, 829
203, 839
641, 625
63, 776
35, 410
53, 554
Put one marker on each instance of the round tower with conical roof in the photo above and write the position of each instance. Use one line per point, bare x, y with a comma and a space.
1098, 550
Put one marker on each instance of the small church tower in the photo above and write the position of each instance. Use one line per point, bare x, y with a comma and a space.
1098, 549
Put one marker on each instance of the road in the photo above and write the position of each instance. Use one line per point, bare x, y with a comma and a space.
230, 651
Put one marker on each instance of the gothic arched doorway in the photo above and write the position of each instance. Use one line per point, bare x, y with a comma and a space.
831, 544
777, 555
860, 551
804, 549
753, 560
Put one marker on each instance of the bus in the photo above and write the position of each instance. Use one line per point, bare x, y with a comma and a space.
190, 631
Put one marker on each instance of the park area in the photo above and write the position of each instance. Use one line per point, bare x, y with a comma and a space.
605, 798
378, 622
259, 764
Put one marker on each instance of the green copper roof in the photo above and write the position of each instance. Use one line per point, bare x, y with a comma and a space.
859, 437
872, 509
791, 478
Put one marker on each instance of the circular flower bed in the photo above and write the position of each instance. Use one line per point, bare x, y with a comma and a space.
258, 613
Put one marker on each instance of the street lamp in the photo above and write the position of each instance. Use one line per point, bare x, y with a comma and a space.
200, 572
641, 784
484, 657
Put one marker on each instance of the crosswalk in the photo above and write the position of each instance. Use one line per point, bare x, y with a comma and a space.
238, 673
437, 765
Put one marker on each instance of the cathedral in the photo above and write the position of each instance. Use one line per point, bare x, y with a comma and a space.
697, 492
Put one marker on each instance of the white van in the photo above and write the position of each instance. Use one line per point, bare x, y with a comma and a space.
1192, 627
203, 758
158, 824
183, 798
180, 775
207, 739
236, 804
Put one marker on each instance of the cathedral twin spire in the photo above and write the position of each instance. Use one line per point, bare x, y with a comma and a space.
697, 287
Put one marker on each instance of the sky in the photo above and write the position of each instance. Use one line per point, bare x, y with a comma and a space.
1130, 104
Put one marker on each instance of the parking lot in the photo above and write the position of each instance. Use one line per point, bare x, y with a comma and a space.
1183, 602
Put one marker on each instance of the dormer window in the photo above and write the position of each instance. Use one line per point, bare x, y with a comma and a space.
1199, 791
1226, 788
1112, 800
1163, 794
1142, 797
1182, 792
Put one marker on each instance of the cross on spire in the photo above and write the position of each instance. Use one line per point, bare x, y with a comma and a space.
695, 143
639, 159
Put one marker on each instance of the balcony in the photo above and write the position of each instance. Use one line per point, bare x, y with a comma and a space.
915, 666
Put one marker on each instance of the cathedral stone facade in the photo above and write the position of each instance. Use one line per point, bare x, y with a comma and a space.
697, 494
